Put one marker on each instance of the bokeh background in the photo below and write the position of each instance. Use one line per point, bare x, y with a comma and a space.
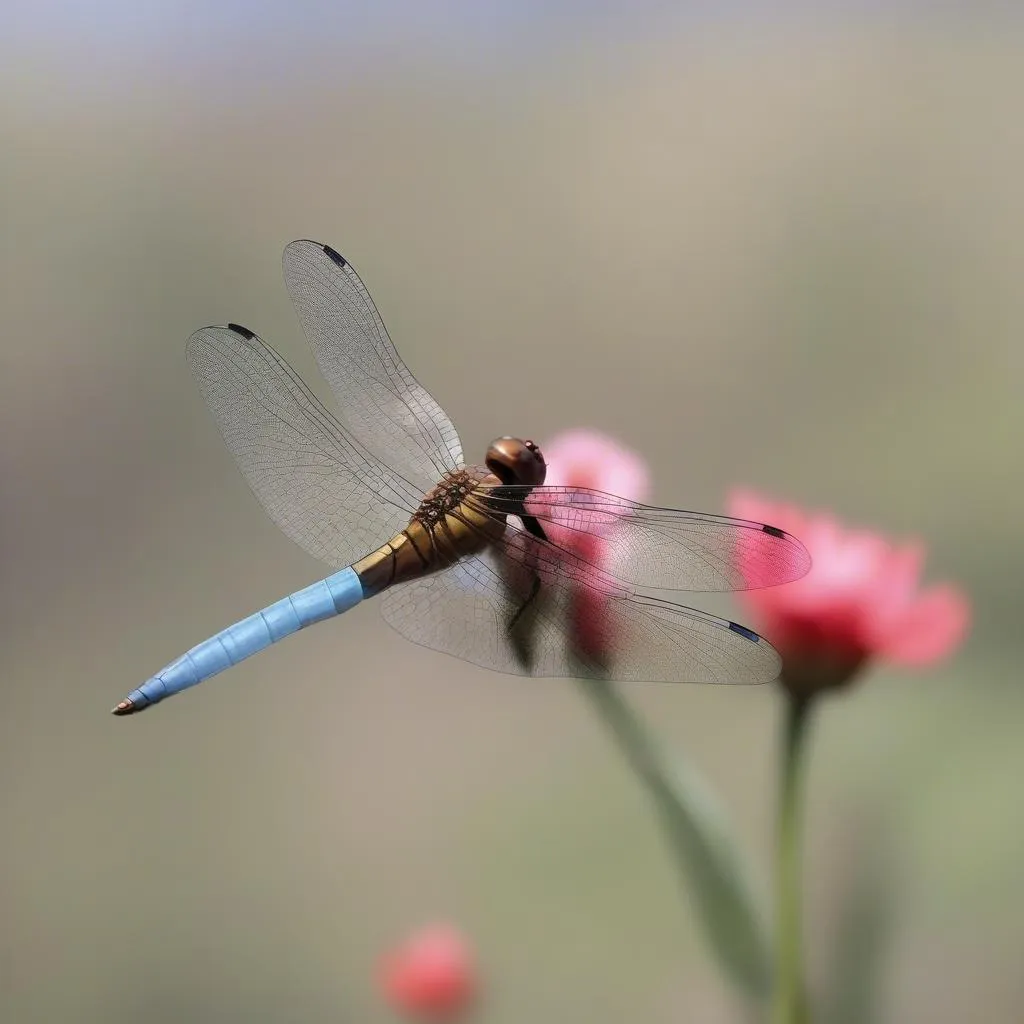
758, 244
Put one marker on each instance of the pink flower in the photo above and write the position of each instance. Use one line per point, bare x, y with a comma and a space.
430, 976
584, 458
861, 599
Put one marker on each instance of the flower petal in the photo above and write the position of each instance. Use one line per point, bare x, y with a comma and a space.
859, 599
930, 628
895, 589
586, 458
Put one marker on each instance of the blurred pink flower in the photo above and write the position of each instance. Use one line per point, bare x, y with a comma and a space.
861, 599
585, 458
431, 975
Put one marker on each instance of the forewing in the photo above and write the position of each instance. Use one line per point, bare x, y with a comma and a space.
330, 495
380, 400
656, 548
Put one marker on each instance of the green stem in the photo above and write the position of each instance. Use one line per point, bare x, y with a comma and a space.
790, 1003
708, 861
631, 736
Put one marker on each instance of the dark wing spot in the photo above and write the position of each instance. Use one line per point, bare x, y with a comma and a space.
243, 331
335, 256
744, 632
773, 531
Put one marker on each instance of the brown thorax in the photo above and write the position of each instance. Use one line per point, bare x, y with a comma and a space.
448, 524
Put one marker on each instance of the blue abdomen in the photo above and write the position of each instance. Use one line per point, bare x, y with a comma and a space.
319, 601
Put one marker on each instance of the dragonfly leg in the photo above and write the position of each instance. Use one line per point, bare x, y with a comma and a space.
517, 507
520, 629
534, 591
532, 525
521, 626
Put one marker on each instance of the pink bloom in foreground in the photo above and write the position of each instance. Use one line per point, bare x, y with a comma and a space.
861, 599
585, 458
430, 976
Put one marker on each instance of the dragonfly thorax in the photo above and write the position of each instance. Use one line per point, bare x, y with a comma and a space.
448, 525
449, 494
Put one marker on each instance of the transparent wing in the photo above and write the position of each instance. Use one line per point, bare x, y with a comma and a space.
330, 495
380, 400
580, 623
656, 548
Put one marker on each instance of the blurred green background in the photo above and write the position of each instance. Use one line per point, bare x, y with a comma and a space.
775, 250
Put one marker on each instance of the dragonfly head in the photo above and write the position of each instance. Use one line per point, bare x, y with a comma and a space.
514, 461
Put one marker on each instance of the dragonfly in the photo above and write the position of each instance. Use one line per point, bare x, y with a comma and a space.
481, 562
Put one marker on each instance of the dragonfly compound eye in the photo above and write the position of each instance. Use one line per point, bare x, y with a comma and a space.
515, 461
